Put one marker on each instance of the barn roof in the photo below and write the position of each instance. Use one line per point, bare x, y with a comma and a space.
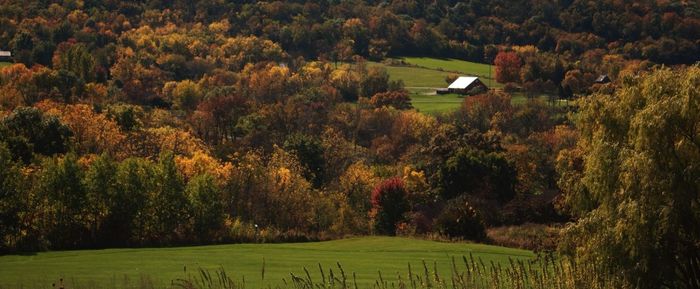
463, 82
603, 78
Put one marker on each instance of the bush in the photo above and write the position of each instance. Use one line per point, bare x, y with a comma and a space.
388, 205
460, 220
536, 237
510, 87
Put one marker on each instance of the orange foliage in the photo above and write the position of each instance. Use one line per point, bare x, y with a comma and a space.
93, 133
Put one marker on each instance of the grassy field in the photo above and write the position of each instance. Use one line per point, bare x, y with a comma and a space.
448, 64
428, 74
363, 256
3, 64
432, 104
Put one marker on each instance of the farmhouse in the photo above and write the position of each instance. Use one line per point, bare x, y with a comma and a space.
467, 85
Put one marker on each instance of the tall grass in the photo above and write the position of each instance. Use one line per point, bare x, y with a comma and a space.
545, 272
473, 273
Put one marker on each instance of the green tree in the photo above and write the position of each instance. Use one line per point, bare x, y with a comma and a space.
473, 172
129, 205
171, 204
27, 130
60, 183
100, 185
309, 152
633, 181
79, 60
459, 219
10, 199
208, 208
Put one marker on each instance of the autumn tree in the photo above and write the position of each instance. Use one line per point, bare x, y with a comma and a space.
389, 203
507, 67
375, 81
632, 181
185, 95
395, 99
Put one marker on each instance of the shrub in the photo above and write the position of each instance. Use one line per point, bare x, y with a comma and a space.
510, 87
389, 204
536, 237
450, 78
459, 219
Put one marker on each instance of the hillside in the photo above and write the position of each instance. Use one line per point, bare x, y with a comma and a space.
149, 124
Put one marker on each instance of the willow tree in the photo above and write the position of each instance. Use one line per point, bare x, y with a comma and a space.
633, 181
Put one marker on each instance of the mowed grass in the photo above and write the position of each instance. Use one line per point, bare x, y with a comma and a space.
435, 104
363, 256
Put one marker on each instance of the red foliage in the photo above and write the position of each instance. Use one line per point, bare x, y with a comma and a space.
507, 67
392, 185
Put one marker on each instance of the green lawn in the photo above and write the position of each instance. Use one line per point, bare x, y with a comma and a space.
432, 104
363, 256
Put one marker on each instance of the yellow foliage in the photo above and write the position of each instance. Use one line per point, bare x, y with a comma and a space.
176, 140
414, 180
220, 27
415, 125
526, 50
283, 176
200, 163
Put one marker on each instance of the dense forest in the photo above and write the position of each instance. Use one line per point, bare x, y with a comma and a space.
157, 123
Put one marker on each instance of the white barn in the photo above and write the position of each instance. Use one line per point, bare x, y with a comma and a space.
467, 85
5, 55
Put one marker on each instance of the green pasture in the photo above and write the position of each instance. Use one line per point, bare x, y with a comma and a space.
425, 75
433, 104
449, 64
364, 256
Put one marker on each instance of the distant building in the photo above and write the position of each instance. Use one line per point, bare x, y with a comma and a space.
467, 85
442, 91
5, 56
604, 78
